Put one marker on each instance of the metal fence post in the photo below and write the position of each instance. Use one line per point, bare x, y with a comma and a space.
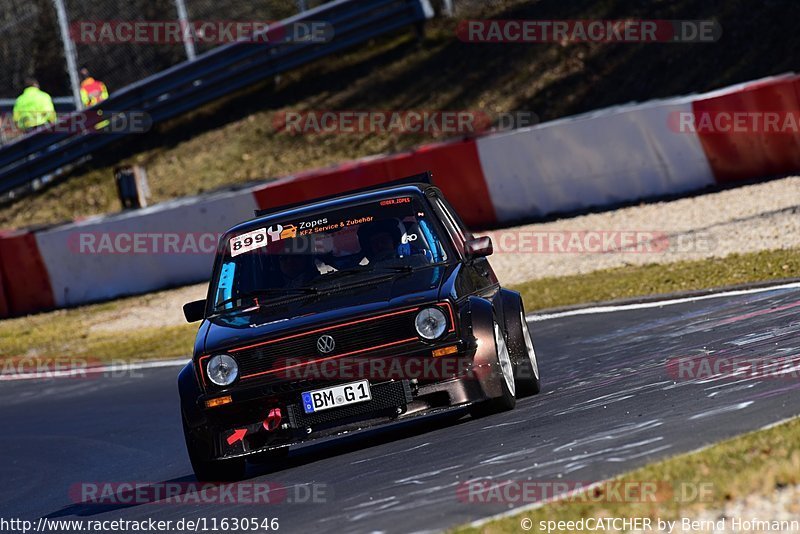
447, 8
69, 52
188, 34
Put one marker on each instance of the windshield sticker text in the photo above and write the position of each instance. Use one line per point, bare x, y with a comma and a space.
249, 241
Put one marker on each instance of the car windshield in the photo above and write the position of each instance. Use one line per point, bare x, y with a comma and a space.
313, 253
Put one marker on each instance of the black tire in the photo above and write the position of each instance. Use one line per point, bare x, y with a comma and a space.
520, 345
506, 401
206, 470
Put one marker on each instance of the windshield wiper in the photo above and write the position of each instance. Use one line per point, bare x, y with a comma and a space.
394, 268
271, 292
409, 268
368, 269
343, 273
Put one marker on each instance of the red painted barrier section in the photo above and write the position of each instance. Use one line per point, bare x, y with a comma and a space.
745, 155
4, 310
455, 166
25, 281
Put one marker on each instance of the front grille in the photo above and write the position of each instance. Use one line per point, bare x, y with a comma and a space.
278, 360
386, 398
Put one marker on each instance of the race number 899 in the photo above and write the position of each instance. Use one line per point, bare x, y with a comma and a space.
249, 241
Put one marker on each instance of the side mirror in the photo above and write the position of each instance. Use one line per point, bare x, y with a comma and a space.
194, 311
480, 247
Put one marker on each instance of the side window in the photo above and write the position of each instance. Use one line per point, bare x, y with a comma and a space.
450, 225
456, 219
451, 220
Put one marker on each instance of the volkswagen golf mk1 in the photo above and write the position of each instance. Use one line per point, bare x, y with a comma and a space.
345, 313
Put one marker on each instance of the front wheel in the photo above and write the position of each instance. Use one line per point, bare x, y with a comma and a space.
506, 400
528, 382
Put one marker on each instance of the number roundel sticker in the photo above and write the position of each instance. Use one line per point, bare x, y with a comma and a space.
261, 238
249, 241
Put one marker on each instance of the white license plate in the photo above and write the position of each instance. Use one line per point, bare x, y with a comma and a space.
333, 397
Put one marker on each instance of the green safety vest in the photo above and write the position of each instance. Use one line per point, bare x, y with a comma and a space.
33, 108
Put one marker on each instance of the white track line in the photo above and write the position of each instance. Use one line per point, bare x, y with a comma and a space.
658, 303
115, 368
534, 506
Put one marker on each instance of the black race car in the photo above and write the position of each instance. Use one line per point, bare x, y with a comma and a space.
343, 313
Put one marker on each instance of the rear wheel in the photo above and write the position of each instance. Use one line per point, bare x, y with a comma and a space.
205, 470
506, 400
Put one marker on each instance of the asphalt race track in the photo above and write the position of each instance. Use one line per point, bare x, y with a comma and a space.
611, 403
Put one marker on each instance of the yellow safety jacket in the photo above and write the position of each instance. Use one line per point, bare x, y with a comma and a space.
33, 108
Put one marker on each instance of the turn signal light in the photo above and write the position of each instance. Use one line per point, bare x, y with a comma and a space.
444, 351
219, 401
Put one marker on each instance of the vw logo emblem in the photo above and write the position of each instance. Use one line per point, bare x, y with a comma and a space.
326, 344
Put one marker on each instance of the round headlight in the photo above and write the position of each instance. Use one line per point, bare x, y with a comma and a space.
222, 370
431, 323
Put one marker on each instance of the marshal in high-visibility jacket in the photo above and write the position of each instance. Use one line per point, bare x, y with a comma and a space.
93, 91
33, 107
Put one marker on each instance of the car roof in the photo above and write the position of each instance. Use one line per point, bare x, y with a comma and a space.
339, 201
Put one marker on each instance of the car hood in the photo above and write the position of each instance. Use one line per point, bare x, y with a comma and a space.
356, 298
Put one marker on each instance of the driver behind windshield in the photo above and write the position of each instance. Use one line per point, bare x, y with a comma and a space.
296, 270
379, 240
296, 264
383, 242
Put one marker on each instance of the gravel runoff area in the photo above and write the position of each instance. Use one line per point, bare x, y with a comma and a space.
164, 309
751, 218
744, 219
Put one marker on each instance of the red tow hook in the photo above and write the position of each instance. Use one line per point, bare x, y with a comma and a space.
273, 420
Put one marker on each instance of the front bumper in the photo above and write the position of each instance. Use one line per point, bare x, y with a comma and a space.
240, 428
391, 400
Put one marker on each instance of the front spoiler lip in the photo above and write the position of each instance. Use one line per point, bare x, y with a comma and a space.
462, 392
349, 430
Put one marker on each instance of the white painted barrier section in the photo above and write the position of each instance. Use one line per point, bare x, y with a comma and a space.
140, 251
615, 155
